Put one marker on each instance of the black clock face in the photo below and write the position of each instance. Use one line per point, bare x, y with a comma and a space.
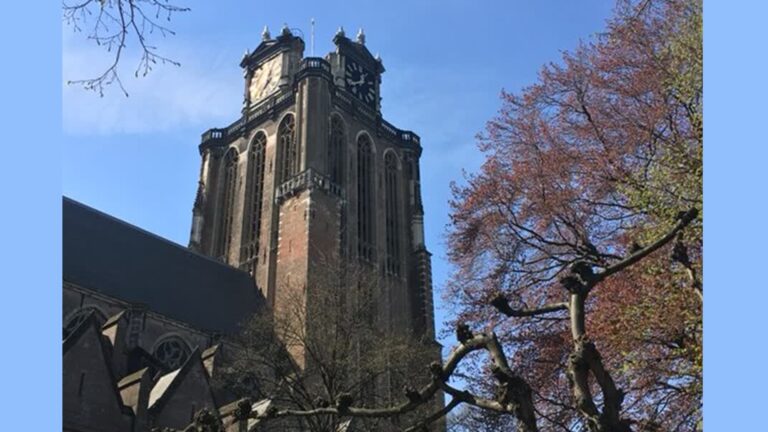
360, 82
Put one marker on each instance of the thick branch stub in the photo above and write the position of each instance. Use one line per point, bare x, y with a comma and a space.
463, 332
580, 278
680, 253
412, 395
687, 217
437, 372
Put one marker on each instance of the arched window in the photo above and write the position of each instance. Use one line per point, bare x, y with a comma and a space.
255, 194
392, 219
365, 176
288, 148
172, 352
79, 316
336, 146
227, 203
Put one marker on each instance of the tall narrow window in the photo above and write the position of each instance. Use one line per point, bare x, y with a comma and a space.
365, 176
392, 219
255, 194
288, 148
336, 145
228, 198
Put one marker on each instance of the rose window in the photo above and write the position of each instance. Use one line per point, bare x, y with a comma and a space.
172, 352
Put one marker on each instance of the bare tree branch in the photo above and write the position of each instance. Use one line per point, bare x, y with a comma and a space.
684, 219
112, 23
515, 397
422, 425
502, 305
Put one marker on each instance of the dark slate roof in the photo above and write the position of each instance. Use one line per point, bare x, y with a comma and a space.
115, 258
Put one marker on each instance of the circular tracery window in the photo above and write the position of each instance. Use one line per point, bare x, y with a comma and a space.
78, 317
172, 352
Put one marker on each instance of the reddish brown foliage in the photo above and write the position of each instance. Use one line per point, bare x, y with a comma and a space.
597, 156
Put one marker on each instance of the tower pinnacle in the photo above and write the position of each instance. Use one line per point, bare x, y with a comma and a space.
361, 36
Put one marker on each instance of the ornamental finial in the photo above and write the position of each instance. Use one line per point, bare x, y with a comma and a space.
340, 32
361, 36
285, 31
265, 36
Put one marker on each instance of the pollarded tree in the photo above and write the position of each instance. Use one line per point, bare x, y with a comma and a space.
505, 387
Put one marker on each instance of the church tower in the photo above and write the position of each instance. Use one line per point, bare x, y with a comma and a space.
311, 170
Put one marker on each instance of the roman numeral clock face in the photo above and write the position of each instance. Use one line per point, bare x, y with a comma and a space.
360, 82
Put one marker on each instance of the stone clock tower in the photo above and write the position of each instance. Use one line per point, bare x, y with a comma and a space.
312, 170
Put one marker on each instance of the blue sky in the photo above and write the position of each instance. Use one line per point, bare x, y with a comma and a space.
136, 158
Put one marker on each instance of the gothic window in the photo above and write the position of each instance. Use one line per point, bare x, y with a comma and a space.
288, 148
336, 145
391, 208
227, 203
172, 352
79, 316
365, 176
255, 188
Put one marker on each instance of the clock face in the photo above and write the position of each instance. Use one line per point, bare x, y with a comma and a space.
360, 82
265, 79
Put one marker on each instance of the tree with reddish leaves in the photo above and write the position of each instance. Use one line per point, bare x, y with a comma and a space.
580, 228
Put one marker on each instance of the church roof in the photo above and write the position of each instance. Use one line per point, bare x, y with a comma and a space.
118, 259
